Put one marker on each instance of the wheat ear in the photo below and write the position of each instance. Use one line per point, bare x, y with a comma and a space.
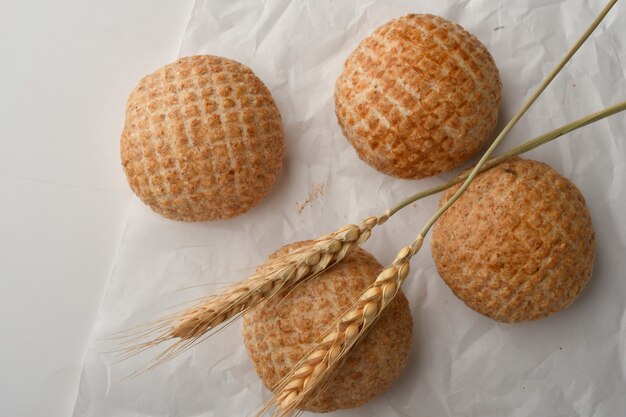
282, 272
317, 369
273, 276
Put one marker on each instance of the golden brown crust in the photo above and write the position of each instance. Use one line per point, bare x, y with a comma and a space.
518, 244
202, 140
278, 334
418, 97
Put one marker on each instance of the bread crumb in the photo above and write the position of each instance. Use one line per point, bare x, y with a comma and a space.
314, 194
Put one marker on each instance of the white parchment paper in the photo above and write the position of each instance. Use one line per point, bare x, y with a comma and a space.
462, 364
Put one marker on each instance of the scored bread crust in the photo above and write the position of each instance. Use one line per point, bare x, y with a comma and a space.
279, 333
518, 244
418, 97
202, 140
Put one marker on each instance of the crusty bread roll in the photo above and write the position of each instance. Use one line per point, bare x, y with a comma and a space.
202, 140
518, 244
418, 97
279, 333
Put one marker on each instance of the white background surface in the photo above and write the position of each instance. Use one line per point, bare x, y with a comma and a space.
66, 69
65, 72
462, 363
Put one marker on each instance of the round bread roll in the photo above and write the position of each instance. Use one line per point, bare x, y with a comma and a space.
280, 332
518, 244
418, 97
202, 140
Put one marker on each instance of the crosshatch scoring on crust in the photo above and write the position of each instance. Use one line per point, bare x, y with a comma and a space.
518, 245
418, 97
277, 334
203, 139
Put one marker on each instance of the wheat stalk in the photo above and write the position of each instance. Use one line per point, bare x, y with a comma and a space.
317, 368
525, 147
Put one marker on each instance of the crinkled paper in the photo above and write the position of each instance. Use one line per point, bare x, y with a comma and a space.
462, 364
